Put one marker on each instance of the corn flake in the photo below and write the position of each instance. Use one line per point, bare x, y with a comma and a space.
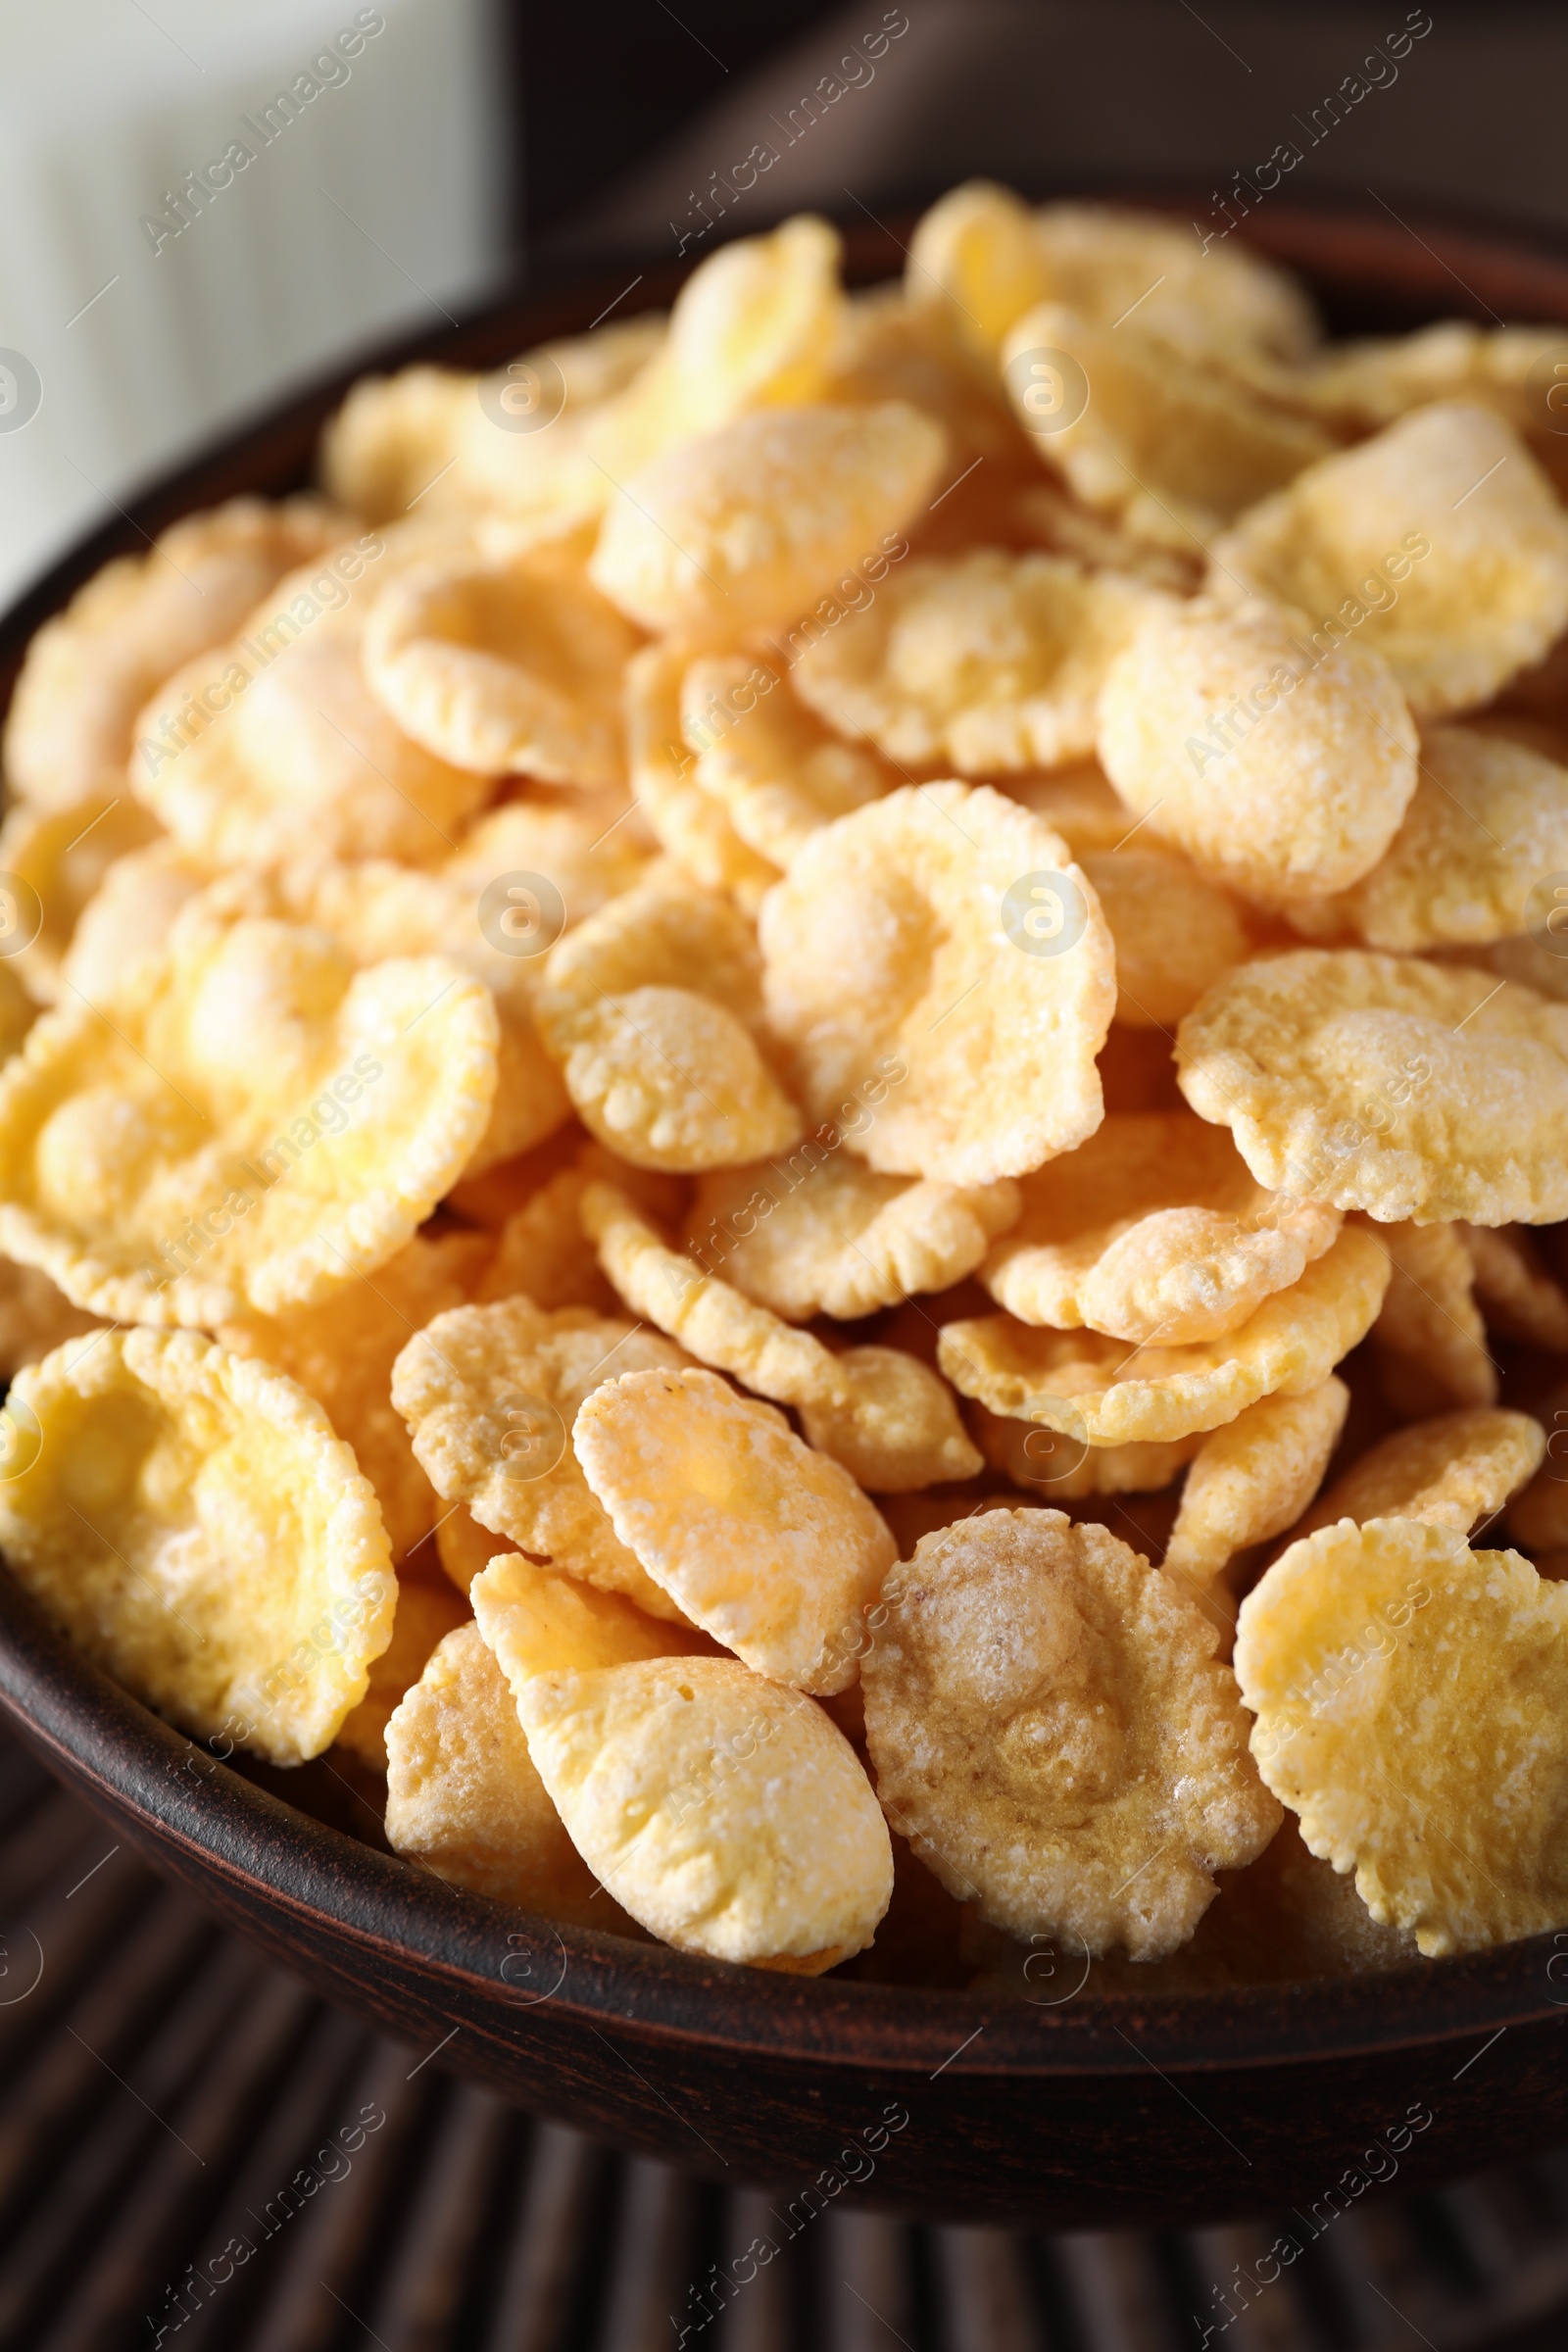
1111, 1396
741, 528
1455, 1470
89, 670
1173, 449
1282, 775
1057, 1467
898, 1428
1175, 930
505, 668
1153, 1230
778, 773
646, 1006
726, 1813
489, 1394
155, 1172
939, 958
246, 1585
464, 1799
984, 662
692, 826
62, 855
1488, 819
425, 1614
128, 916
1440, 542
1386, 1084
1050, 1731
768, 1544
1428, 1339
820, 1232
1254, 1478
1372, 1658
342, 1352
278, 735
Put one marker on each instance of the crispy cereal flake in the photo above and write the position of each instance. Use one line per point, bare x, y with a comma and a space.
1386, 1084
193, 1523
940, 954
768, 1544
726, 1813
1052, 1733
1374, 1658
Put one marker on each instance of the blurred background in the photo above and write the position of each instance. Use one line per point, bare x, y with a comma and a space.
204, 202
205, 205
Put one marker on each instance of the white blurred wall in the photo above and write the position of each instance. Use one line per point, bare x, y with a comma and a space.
377, 207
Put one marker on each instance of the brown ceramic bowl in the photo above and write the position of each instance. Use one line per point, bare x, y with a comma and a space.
1060, 2111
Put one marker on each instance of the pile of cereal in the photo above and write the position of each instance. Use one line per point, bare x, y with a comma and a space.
772, 1112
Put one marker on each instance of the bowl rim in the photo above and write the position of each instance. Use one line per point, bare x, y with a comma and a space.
211, 1825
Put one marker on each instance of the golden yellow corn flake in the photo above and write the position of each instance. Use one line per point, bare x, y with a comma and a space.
277, 738
1153, 1230
543, 1252
192, 1521
1429, 1338
1255, 1478
489, 1394
1111, 1393
1175, 929
897, 1429
89, 670
754, 326
690, 825
256, 1126
719, 1325
425, 1614
989, 258
1373, 1658
60, 857
373, 909
977, 253
342, 1352
938, 960
395, 439
1284, 774
589, 848
506, 668
768, 1545
1056, 1466
649, 1007
1439, 543
778, 773
464, 1799
1386, 1084
725, 1812
462, 1548
1216, 303
128, 916
1050, 1731
1488, 821
1455, 1470
820, 1232
539, 1623
745, 528
1173, 449
982, 662
1516, 1294
1077, 801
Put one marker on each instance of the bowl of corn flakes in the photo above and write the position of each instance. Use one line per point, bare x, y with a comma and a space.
1023, 765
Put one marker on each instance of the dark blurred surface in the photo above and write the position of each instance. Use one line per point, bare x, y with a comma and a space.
197, 2152
631, 110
